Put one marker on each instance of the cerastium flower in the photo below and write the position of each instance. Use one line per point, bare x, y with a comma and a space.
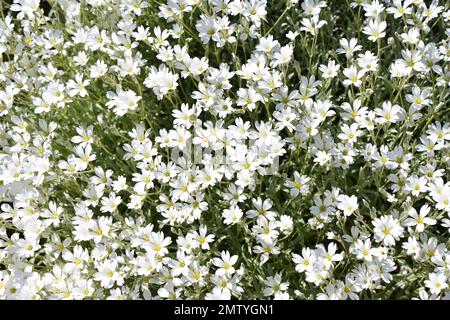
217, 149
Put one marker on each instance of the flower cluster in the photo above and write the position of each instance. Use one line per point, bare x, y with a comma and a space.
224, 149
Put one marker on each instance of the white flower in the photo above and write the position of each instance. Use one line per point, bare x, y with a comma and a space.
364, 250
218, 294
312, 25
161, 81
353, 76
348, 47
274, 285
225, 263
122, 101
419, 220
98, 70
304, 262
267, 45
375, 30
300, 185
436, 282
330, 70
107, 274
388, 113
387, 230
350, 133
232, 215
347, 204
110, 204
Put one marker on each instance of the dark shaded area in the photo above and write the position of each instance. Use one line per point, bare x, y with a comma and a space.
5, 6
46, 7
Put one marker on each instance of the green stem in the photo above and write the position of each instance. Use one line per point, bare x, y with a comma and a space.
278, 20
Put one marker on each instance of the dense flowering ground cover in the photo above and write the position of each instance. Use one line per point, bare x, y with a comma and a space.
217, 149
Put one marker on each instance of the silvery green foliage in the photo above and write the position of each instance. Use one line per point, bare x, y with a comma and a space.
217, 149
